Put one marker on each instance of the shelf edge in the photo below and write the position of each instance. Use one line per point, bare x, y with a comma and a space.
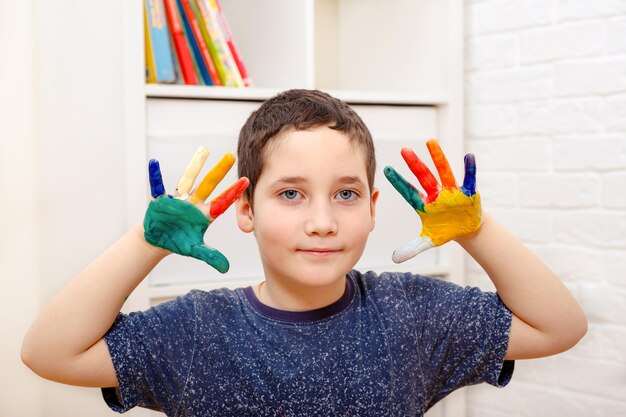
163, 91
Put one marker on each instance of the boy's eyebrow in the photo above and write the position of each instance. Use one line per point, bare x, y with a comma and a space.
290, 180
346, 179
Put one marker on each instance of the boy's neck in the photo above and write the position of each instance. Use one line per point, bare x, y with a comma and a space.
281, 297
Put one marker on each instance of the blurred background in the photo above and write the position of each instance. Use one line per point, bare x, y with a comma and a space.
536, 89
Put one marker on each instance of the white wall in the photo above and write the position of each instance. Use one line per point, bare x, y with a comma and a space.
61, 170
20, 390
546, 117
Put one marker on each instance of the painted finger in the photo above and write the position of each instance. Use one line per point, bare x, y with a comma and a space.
213, 178
412, 248
406, 190
212, 257
441, 163
227, 198
469, 181
156, 179
423, 174
191, 172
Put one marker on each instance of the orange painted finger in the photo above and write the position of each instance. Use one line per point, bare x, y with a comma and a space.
441, 163
213, 178
220, 203
423, 174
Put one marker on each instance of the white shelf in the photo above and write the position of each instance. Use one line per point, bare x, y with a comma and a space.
261, 94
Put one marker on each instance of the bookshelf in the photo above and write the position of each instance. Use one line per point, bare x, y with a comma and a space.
398, 62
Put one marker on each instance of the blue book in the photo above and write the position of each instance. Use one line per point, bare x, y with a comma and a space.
158, 46
204, 72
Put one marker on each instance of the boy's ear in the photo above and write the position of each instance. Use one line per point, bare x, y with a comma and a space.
375, 195
244, 214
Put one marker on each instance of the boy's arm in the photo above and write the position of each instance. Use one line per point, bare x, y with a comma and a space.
65, 343
546, 318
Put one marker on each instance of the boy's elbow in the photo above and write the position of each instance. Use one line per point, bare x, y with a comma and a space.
574, 330
33, 358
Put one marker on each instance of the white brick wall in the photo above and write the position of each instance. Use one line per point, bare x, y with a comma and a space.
546, 118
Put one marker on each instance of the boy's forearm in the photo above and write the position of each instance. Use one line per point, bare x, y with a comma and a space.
525, 284
85, 309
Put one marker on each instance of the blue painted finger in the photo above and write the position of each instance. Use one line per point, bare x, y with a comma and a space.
406, 190
469, 182
156, 180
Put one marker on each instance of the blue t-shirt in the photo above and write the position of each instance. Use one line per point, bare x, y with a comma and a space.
393, 345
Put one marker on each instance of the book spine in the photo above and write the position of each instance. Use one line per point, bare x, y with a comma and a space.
159, 41
180, 43
219, 67
225, 63
243, 71
205, 56
203, 75
150, 71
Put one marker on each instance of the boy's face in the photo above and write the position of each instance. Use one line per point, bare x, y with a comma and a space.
313, 210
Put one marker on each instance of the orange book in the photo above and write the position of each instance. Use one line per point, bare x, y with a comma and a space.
180, 43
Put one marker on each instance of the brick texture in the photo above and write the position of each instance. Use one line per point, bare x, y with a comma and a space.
545, 108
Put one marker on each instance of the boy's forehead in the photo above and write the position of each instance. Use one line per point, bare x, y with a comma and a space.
294, 151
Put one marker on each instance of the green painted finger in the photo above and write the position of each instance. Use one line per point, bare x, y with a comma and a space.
406, 190
212, 257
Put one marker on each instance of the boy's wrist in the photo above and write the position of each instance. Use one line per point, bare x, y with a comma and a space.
139, 232
467, 240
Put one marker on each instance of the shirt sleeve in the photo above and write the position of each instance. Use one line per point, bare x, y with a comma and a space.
463, 336
152, 352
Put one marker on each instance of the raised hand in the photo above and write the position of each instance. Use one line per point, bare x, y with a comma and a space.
447, 211
178, 222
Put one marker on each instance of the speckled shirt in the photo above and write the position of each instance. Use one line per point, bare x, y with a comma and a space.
393, 345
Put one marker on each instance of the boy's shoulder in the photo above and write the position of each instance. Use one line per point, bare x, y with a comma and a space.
405, 281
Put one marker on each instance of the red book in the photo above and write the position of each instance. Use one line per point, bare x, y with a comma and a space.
180, 43
204, 50
243, 71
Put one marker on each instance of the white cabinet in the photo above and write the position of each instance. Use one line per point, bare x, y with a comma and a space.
399, 63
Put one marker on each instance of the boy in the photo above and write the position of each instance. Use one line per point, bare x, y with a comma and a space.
315, 338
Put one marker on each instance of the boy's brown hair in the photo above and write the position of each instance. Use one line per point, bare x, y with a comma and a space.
298, 109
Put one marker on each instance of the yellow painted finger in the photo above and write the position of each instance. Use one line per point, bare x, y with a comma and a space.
213, 178
191, 172
441, 163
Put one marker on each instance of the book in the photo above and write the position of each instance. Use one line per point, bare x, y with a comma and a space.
150, 78
228, 35
203, 57
220, 52
159, 59
183, 53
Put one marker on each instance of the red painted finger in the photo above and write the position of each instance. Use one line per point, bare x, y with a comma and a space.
441, 163
423, 174
220, 203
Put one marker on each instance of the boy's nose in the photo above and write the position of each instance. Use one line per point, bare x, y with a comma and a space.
321, 220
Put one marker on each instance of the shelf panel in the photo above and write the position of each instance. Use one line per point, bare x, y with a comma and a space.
262, 94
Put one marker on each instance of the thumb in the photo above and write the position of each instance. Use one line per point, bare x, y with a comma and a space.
412, 248
211, 256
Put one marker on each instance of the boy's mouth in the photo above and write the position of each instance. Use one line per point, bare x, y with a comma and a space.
319, 252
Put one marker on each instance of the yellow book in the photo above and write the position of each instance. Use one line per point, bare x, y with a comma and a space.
218, 48
150, 68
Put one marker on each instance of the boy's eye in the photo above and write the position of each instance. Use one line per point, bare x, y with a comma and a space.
290, 194
346, 195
